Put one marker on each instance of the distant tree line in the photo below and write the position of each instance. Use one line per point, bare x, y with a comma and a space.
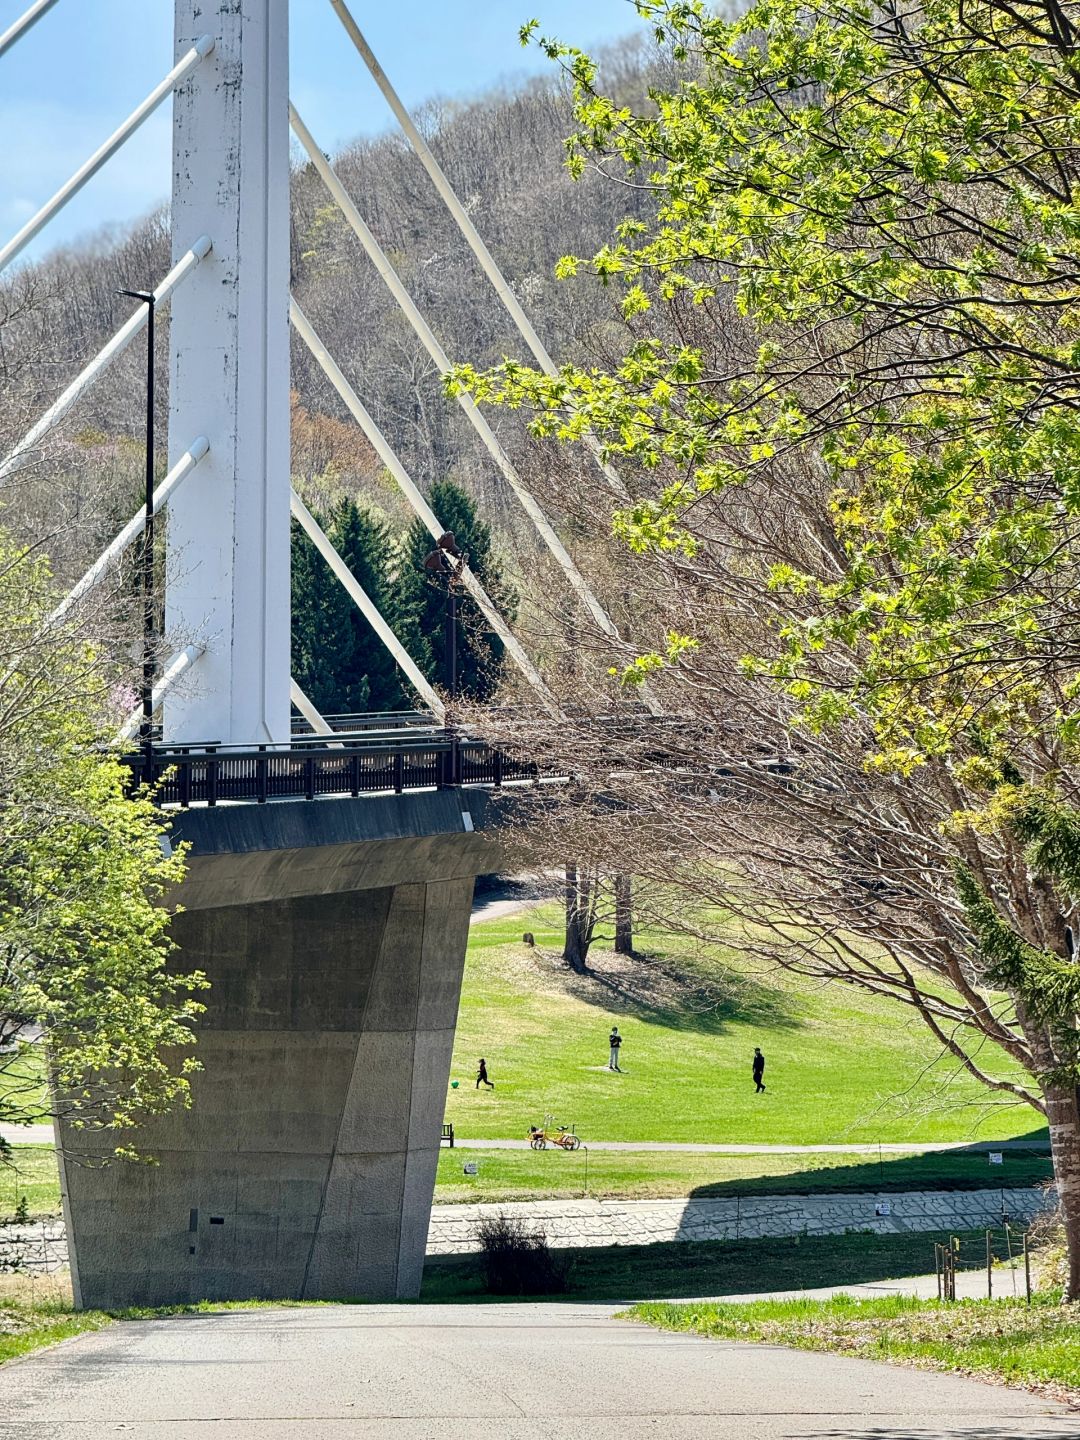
338, 660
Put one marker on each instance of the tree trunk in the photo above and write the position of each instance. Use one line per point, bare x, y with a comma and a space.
1063, 1117
624, 916
575, 948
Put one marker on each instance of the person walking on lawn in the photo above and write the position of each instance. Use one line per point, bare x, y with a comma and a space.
481, 1076
614, 1041
759, 1070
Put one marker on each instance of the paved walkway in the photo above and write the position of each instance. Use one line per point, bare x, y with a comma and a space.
581, 1223
43, 1135
481, 1372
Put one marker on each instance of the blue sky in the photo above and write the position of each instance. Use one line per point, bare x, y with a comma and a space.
67, 85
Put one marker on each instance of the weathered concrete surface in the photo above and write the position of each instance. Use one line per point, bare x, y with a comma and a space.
306, 1165
485, 1372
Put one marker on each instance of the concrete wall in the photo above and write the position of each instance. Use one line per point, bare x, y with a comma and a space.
306, 1165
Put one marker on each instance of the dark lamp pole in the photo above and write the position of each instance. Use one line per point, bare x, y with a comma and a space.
447, 559
148, 665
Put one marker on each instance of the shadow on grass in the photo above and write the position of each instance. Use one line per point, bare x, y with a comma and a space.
658, 991
681, 1270
968, 1168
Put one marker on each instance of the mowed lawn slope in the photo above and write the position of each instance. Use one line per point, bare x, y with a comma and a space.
842, 1067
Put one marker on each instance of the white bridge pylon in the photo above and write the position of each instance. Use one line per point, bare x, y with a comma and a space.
228, 490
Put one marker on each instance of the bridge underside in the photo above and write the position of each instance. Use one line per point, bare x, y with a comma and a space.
334, 938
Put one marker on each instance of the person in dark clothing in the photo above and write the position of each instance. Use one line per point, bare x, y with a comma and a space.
759, 1070
481, 1076
614, 1040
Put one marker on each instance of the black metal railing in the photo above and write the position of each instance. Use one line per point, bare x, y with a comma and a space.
305, 769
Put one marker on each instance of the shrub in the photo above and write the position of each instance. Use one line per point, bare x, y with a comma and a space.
517, 1258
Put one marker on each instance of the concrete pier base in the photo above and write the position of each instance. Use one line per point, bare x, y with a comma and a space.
333, 934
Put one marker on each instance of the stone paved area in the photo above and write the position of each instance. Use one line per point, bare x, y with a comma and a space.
41, 1245
576, 1223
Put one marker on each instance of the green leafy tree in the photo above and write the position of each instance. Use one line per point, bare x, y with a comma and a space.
420, 598
861, 283
84, 883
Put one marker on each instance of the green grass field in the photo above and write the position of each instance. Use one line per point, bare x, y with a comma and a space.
651, 1175
842, 1067
30, 1173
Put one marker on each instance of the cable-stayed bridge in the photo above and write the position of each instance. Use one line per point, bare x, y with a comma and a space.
334, 932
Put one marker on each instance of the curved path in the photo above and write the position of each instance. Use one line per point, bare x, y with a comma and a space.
483, 1372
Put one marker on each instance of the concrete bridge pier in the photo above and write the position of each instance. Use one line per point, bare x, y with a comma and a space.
333, 934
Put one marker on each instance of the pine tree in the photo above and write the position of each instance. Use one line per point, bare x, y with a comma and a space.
364, 663
320, 629
420, 610
337, 659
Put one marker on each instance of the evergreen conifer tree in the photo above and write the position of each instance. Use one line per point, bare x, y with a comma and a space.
364, 664
337, 659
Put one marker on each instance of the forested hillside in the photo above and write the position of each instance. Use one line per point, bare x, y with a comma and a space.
504, 156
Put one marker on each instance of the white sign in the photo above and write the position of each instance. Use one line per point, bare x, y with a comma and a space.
996, 1157
472, 1168
883, 1207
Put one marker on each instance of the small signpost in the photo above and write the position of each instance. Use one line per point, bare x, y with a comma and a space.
996, 1157
471, 1167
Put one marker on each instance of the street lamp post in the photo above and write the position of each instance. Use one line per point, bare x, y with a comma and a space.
447, 559
148, 657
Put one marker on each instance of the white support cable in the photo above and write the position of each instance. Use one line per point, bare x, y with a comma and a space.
303, 327
366, 605
308, 710
202, 47
472, 236
24, 22
177, 666
102, 360
135, 526
544, 529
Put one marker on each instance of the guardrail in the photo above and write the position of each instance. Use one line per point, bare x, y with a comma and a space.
349, 765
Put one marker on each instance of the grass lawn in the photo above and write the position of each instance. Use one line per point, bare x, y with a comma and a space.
645, 1174
628, 1174
713, 1267
30, 1172
841, 1067
1036, 1345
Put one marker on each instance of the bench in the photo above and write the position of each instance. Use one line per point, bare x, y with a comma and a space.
447, 1134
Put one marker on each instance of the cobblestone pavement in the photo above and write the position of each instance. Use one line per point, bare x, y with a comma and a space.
576, 1223
41, 1245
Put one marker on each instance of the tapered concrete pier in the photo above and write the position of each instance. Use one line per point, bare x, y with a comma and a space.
333, 934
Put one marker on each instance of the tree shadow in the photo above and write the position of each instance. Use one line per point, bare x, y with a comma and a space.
674, 1270
656, 991
1025, 1161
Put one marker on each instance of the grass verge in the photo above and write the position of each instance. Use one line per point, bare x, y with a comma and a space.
629, 1175
654, 1175
1036, 1346
712, 1267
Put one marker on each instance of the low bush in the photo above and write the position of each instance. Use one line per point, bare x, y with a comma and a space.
518, 1260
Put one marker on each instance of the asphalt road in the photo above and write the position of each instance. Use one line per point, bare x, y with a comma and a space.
508, 1372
